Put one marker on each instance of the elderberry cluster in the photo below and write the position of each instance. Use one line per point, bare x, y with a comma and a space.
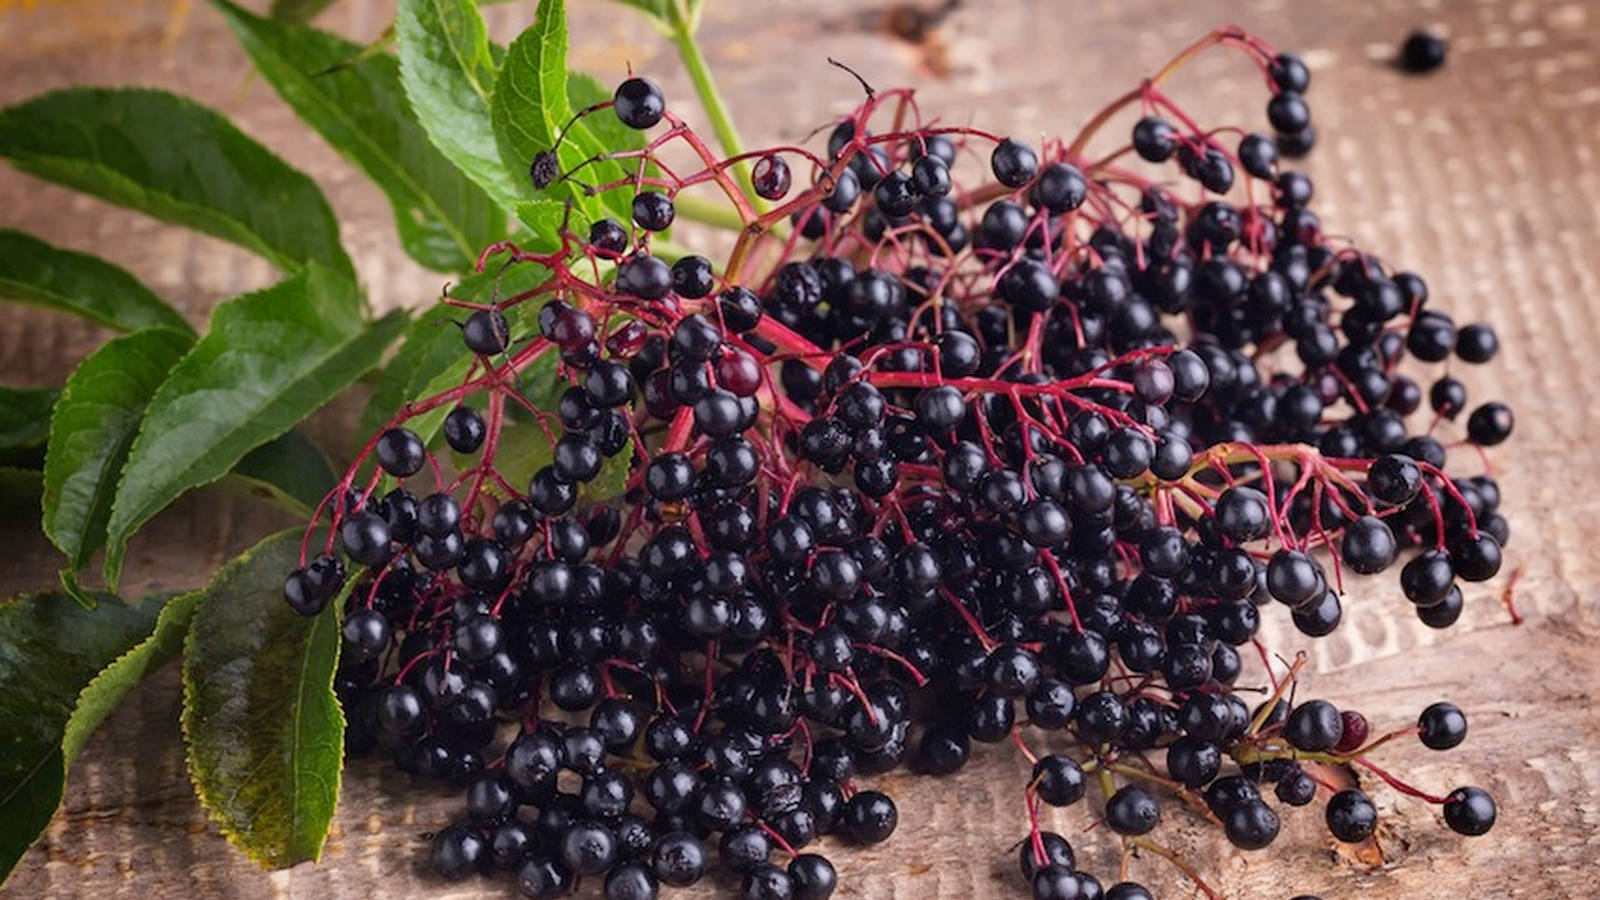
932, 458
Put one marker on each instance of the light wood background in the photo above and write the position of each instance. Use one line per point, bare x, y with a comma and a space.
1482, 176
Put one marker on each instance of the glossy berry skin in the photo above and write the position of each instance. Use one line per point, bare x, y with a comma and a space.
1155, 139
1369, 545
631, 881
1469, 811
638, 103
1055, 882
1132, 811
487, 332
1351, 817
870, 817
1476, 343
771, 177
1058, 780
679, 859
1251, 826
1014, 163
1442, 726
814, 878
458, 851
464, 429
653, 211
400, 452
1490, 424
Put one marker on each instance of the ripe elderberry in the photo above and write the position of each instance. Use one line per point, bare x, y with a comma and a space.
951, 463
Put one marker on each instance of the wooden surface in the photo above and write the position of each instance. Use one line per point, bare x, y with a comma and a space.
1483, 177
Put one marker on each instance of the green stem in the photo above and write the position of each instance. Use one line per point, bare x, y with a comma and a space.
707, 212
721, 122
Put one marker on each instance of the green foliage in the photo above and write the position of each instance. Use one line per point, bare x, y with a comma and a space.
448, 71
91, 430
265, 732
178, 161
443, 218
269, 359
446, 127
35, 272
51, 648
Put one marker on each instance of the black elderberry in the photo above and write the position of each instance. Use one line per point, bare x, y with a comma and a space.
1476, 343
1369, 545
771, 177
643, 276
870, 817
1489, 424
1014, 163
1132, 811
631, 881
1155, 139
813, 877
1314, 726
1251, 825
1475, 557
1351, 817
1469, 811
1442, 726
638, 103
1422, 52
458, 851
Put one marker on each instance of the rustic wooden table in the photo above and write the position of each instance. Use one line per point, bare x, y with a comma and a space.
1483, 176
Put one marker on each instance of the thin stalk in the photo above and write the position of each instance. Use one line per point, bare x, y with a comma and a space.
706, 212
710, 98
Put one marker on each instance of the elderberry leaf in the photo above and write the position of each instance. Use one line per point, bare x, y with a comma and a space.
530, 108
448, 70
298, 10
269, 359
171, 158
264, 730
50, 649
543, 218
91, 430
24, 418
34, 272
359, 107
290, 473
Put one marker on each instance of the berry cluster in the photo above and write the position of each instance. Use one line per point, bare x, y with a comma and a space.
921, 464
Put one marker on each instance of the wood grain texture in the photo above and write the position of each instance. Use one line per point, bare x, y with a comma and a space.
1483, 177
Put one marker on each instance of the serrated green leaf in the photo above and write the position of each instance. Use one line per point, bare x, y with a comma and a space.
269, 359
543, 218
530, 108
264, 729
91, 430
434, 359
289, 473
50, 649
178, 161
35, 272
448, 71
102, 694
298, 10
444, 219
25, 416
